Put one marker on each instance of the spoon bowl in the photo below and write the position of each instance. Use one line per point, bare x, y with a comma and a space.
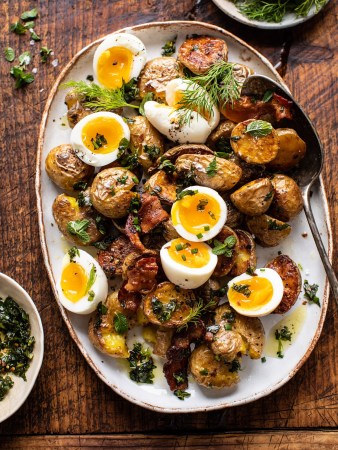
310, 167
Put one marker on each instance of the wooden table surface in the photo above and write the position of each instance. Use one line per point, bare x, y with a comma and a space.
69, 406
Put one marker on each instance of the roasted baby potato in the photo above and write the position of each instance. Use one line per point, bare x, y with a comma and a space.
268, 231
245, 257
65, 169
288, 201
291, 151
209, 371
210, 171
111, 192
101, 330
250, 328
163, 186
241, 72
199, 53
225, 263
292, 281
156, 74
146, 141
76, 111
67, 212
253, 149
169, 231
168, 305
254, 198
184, 149
228, 344
219, 139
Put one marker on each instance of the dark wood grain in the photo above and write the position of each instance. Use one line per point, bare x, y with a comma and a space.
68, 398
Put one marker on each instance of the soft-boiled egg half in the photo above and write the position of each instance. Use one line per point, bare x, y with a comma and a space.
199, 214
96, 138
256, 295
82, 284
187, 264
167, 118
120, 56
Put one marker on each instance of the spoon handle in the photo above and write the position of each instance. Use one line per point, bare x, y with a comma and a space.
322, 252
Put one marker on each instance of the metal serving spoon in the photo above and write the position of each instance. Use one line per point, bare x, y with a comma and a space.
310, 167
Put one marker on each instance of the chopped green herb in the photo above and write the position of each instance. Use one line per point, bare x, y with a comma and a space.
267, 96
185, 193
163, 311
263, 360
242, 289
99, 141
152, 151
120, 323
226, 248
211, 170
204, 372
229, 317
268, 196
130, 90
194, 251
206, 228
199, 235
179, 247
196, 312
18, 28
134, 205
223, 147
141, 364
169, 48
32, 14
122, 180
184, 257
73, 252
235, 138
273, 225
235, 366
91, 296
78, 228
148, 96
6, 383
135, 180
181, 394
9, 54
250, 271
282, 335
22, 78
259, 128
167, 166
92, 278
227, 326
223, 155
80, 186
300, 267
180, 377
34, 36
212, 215
310, 291
202, 204
45, 53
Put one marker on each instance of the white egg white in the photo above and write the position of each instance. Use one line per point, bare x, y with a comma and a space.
99, 287
213, 230
84, 153
128, 41
183, 276
278, 290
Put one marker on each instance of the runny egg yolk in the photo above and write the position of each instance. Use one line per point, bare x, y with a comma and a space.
102, 135
196, 213
251, 294
190, 254
74, 282
114, 65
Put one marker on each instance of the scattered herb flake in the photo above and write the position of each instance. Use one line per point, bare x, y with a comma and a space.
141, 365
169, 48
226, 248
167, 166
199, 235
120, 323
310, 291
282, 335
181, 394
204, 372
267, 96
32, 14
235, 366
45, 54
202, 203
9, 54
242, 289
273, 225
163, 311
211, 170
99, 141
73, 252
185, 193
78, 228
152, 151
263, 360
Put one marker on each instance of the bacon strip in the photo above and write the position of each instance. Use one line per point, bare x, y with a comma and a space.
130, 301
142, 276
151, 213
132, 233
111, 260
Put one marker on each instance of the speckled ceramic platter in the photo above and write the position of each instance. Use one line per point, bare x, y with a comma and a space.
257, 379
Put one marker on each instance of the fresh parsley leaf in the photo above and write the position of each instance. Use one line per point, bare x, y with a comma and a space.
181, 394
242, 289
29, 24
34, 36
169, 48
167, 166
267, 96
179, 377
211, 170
78, 228
22, 78
183, 194
149, 96
45, 54
25, 58
259, 128
122, 180
310, 291
9, 54
141, 364
225, 248
120, 323
32, 14
152, 151
73, 252
273, 225
18, 28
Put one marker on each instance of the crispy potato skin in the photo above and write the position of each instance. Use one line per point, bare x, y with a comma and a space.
226, 177
169, 231
65, 169
234, 216
109, 195
102, 333
163, 186
260, 226
165, 292
156, 74
66, 209
241, 72
221, 133
227, 343
218, 375
291, 151
254, 198
199, 53
288, 200
225, 263
143, 134
163, 341
252, 149
76, 111
292, 281
246, 253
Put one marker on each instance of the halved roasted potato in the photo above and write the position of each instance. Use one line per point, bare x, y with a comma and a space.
210, 371
163, 186
225, 263
199, 53
219, 139
111, 192
245, 257
184, 149
292, 281
251, 148
288, 201
210, 171
227, 343
241, 72
156, 74
76, 110
254, 198
168, 305
268, 231
291, 151
102, 332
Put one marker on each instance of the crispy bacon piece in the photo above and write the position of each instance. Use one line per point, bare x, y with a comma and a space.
141, 277
129, 301
151, 213
176, 367
111, 260
132, 233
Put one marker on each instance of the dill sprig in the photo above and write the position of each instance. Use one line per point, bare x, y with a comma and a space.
99, 98
196, 312
216, 87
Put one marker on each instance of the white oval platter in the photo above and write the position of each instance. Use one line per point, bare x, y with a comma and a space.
257, 379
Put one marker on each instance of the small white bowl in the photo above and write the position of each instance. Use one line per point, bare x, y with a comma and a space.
17, 395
